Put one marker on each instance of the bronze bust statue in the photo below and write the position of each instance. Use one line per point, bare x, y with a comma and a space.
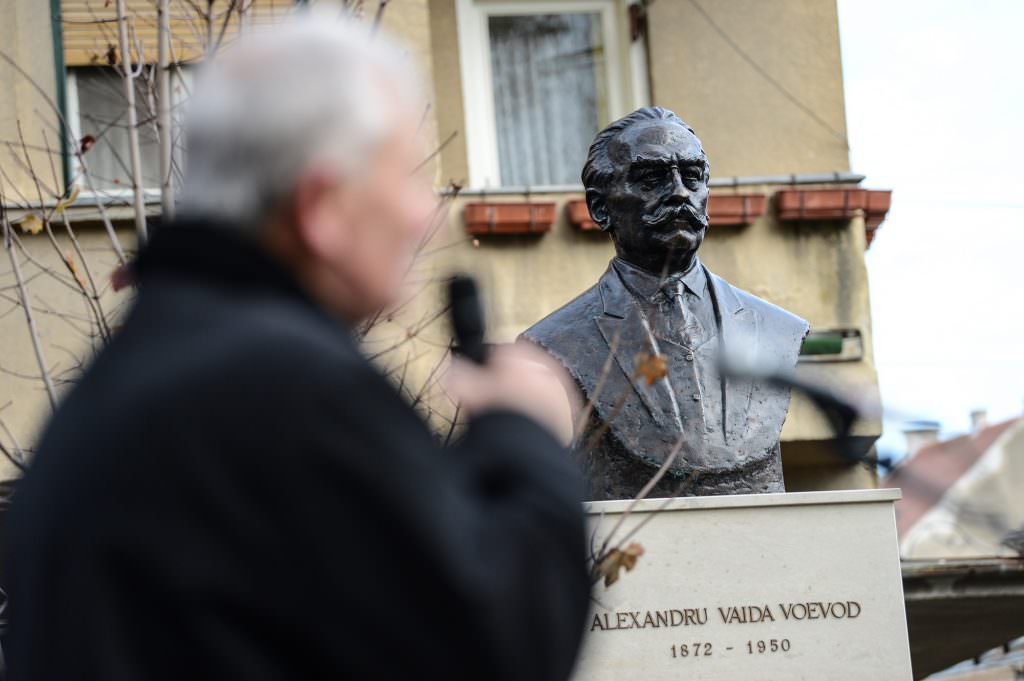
646, 181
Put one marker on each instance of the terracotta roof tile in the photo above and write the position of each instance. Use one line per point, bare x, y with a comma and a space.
927, 476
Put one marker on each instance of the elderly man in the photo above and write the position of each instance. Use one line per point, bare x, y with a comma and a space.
646, 180
232, 491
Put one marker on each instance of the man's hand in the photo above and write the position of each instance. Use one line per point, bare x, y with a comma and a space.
518, 377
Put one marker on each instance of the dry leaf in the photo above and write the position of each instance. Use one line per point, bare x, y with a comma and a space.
652, 367
70, 260
31, 224
616, 560
86, 143
67, 201
122, 277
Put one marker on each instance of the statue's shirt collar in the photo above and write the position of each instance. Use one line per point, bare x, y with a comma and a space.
646, 285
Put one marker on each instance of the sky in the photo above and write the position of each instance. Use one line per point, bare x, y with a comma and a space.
935, 112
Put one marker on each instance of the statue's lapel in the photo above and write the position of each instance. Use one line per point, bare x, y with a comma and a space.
739, 337
623, 331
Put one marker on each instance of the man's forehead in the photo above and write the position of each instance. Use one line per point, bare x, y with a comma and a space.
655, 140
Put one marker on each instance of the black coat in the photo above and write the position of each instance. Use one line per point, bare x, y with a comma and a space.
234, 492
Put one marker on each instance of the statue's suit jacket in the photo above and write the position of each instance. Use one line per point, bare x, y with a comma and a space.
598, 337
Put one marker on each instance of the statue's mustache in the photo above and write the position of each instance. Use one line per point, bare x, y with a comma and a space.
672, 213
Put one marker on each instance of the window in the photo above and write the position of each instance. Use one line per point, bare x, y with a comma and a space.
95, 93
97, 108
549, 94
539, 80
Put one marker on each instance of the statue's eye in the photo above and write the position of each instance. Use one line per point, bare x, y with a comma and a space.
650, 180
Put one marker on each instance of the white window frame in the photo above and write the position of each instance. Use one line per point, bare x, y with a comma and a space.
625, 69
74, 121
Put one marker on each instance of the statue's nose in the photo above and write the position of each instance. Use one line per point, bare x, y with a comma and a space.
679, 192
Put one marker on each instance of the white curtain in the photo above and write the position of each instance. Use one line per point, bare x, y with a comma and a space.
102, 113
548, 76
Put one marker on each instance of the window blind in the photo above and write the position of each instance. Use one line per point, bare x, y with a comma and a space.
90, 26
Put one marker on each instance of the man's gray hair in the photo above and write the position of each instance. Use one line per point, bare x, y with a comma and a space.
282, 99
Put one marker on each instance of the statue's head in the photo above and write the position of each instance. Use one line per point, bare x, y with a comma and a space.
646, 179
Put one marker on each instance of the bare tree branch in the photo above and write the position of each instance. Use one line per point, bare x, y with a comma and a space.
16, 455
30, 321
128, 76
165, 134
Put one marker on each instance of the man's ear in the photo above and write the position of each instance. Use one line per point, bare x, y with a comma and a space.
315, 210
598, 209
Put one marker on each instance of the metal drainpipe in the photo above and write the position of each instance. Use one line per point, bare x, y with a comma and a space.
60, 71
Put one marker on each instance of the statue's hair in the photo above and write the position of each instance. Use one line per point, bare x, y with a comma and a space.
599, 170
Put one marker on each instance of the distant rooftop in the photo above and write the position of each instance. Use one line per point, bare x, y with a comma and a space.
927, 476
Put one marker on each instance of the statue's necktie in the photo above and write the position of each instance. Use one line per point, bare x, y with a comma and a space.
683, 327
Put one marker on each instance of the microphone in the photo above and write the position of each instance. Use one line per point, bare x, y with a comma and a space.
839, 410
467, 319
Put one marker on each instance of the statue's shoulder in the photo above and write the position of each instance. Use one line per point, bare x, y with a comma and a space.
775, 323
564, 327
776, 319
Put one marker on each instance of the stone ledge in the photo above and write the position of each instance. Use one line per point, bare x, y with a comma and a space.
856, 496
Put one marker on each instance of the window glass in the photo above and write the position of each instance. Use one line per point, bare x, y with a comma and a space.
103, 114
548, 74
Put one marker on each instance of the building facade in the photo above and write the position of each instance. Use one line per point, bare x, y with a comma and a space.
518, 89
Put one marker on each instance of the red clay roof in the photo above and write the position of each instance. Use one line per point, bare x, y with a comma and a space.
927, 476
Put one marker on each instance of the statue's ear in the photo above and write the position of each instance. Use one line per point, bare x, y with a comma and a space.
598, 209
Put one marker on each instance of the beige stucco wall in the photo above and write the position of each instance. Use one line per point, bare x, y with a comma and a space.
448, 103
25, 39
817, 271
410, 22
749, 125
25, 36
62, 319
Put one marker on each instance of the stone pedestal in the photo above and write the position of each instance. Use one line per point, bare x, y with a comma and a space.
772, 587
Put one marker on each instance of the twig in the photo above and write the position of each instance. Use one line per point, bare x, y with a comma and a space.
645, 490
115, 242
451, 428
37, 346
447, 140
605, 370
17, 455
128, 76
47, 227
95, 295
429, 382
224, 24
595, 437
379, 16
208, 18
165, 133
